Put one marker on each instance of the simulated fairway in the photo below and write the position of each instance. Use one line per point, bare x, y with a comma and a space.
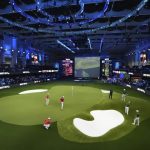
22, 117
32, 106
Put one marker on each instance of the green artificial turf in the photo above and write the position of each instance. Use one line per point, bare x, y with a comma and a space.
69, 132
22, 116
30, 109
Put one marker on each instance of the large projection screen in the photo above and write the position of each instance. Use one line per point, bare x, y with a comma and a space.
87, 67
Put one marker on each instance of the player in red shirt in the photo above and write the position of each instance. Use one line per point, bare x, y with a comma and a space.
47, 123
62, 102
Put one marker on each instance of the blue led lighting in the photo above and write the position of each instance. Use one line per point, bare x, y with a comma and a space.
78, 14
62, 44
101, 44
81, 8
19, 10
138, 8
17, 24
100, 14
50, 18
39, 7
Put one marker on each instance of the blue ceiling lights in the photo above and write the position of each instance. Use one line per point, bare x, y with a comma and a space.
17, 24
39, 8
101, 44
81, 8
78, 14
29, 17
134, 12
49, 19
100, 14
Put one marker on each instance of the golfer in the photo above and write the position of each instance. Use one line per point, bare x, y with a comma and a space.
47, 99
47, 123
62, 102
110, 94
123, 96
127, 107
137, 119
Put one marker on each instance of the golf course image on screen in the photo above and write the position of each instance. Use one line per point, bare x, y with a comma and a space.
87, 67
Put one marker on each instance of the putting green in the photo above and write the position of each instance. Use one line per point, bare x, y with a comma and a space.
30, 109
67, 130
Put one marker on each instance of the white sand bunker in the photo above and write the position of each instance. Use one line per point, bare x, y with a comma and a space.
105, 91
104, 120
33, 91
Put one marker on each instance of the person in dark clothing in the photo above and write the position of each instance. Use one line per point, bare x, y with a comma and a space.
110, 94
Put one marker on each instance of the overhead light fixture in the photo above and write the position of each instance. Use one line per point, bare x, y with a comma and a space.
19, 10
62, 44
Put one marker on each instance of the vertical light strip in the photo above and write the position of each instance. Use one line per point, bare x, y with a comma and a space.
101, 44
89, 41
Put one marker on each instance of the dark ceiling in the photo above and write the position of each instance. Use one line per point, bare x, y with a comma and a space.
66, 27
